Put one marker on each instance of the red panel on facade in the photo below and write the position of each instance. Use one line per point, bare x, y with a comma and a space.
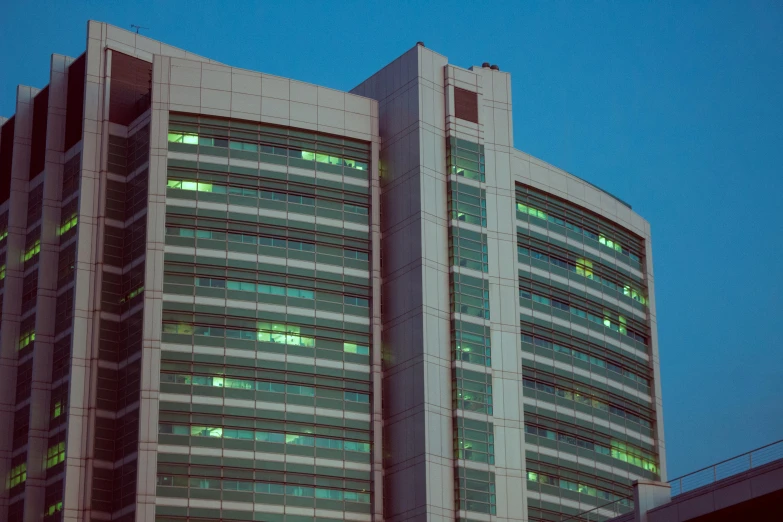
466, 105
38, 146
6, 157
131, 88
74, 112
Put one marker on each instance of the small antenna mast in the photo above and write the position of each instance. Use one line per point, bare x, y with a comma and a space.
137, 27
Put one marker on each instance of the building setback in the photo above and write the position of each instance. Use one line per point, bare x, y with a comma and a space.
233, 296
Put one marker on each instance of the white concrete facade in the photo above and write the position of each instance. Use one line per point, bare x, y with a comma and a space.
406, 112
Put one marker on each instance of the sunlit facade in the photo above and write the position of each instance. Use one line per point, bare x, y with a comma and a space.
232, 296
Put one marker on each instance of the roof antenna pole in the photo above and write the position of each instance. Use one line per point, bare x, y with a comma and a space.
137, 27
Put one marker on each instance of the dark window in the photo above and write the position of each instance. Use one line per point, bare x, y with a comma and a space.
125, 485
71, 176
131, 86
24, 381
74, 112
29, 290
66, 265
118, 152
61, 358
466, 105
6, 158
16, 511
63, 311
38, 146
138, 148
21, 426
102, 481
34, 204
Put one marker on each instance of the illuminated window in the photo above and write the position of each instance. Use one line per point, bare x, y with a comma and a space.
32, 251
356, 348
283, 334
26, 339
54, 508
133, 293
55, 455
188, 138
17, 475
68, 225
57, 410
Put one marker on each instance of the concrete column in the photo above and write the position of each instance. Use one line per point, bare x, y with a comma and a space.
47, 289
649, 494
14, 275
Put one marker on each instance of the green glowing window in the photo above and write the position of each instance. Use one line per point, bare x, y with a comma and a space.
54, 508
57, 410
55, 455
283, 334
618, 450
562, 213
356, 348
197, 186
3, 235
133, 293
32, 251
2, 272
188, 138
26, 338
68, 224
609, 319
265, 436
17, 475
578, 265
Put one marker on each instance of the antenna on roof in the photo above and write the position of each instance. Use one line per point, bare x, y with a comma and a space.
137, 27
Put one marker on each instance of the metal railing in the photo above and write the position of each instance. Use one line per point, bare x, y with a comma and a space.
727, 468
604, 512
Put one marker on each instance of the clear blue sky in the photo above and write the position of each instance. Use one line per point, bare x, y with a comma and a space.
677, 109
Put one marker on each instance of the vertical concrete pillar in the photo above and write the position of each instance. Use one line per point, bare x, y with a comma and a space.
14, 275
649, 494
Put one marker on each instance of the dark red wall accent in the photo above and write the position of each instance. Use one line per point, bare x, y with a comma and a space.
74, 109
6, 157
131, 88
466, 105
38, 146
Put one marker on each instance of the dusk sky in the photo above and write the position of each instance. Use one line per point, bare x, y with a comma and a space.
676, 109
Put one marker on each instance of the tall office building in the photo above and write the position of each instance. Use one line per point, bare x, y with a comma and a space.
232, 296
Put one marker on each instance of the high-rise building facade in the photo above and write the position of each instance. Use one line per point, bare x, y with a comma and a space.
233, 296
